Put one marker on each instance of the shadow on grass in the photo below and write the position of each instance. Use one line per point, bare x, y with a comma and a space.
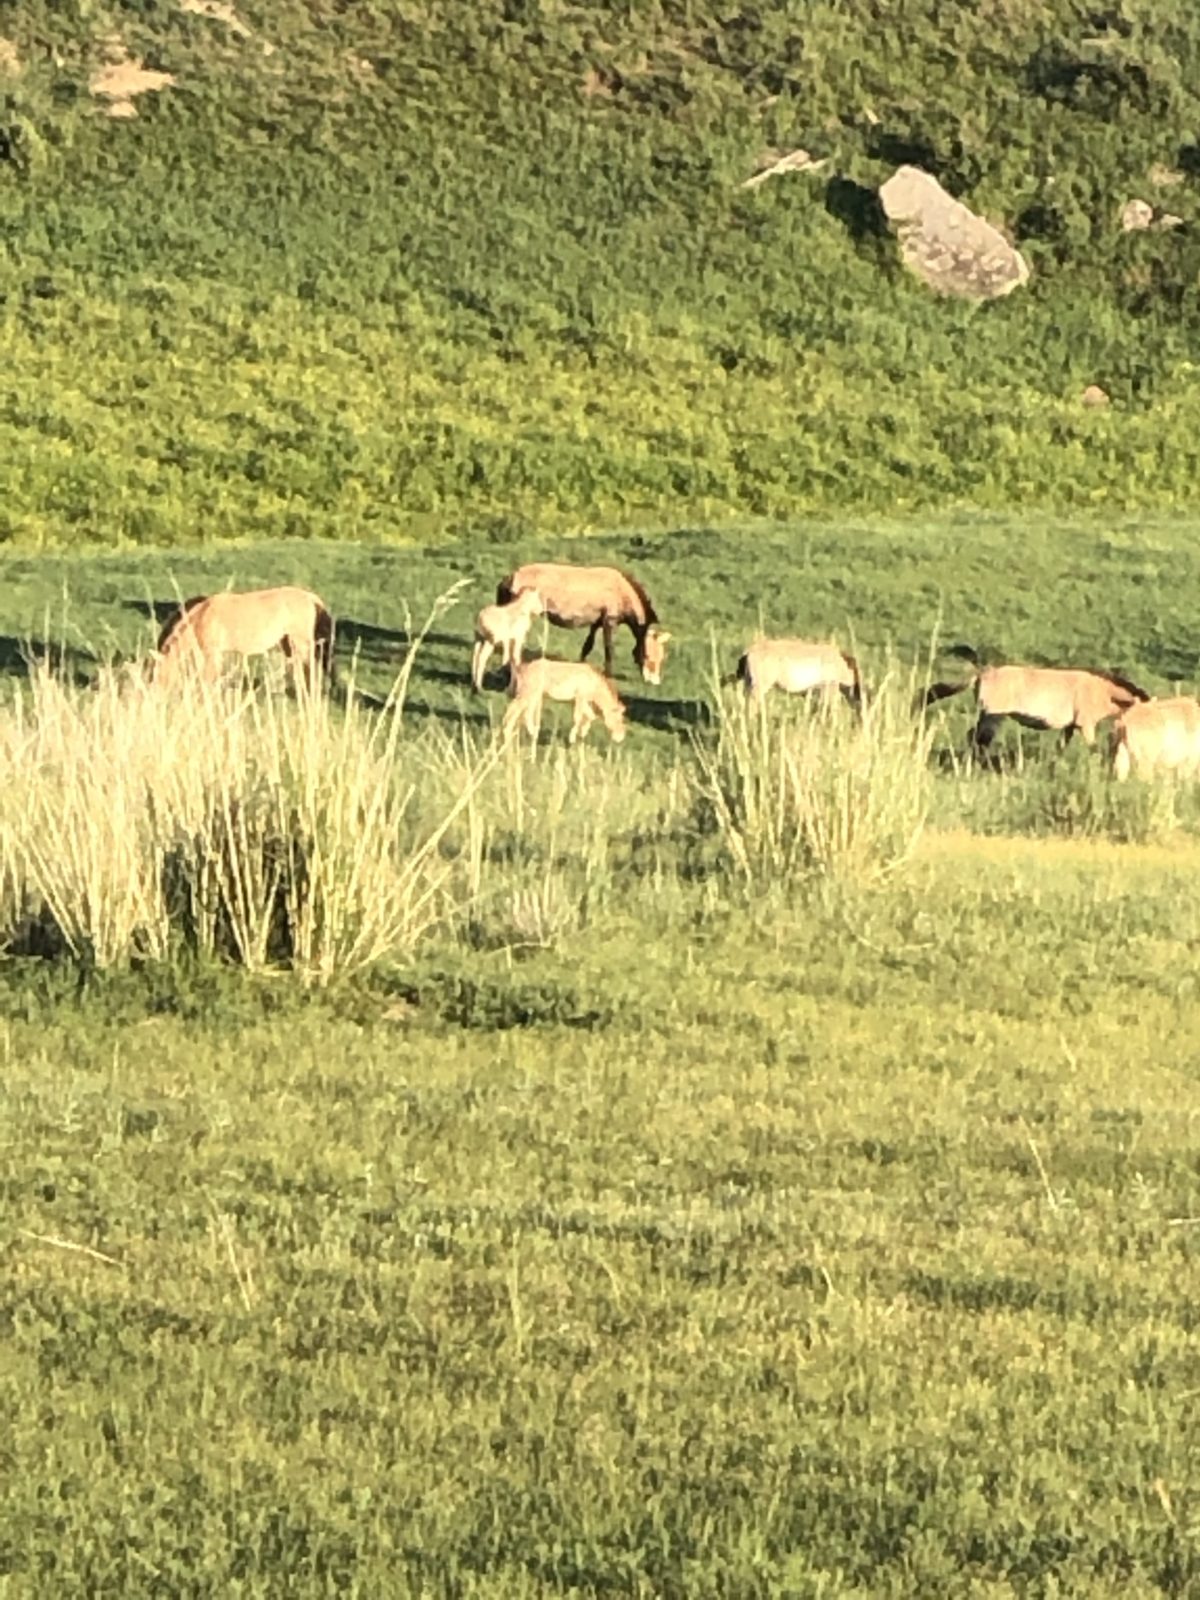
19, 656
376, 643
678, 717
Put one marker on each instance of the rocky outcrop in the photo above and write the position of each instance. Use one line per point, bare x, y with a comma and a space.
945, 243
1136, 215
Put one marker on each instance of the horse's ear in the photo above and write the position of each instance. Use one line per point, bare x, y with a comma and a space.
662, 637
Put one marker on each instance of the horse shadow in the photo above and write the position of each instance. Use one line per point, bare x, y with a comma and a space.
369, 641
454, 716
19, 658
681, 718
374, 643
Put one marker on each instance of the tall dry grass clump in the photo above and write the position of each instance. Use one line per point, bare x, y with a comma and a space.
263, 828
799, 789
562, 830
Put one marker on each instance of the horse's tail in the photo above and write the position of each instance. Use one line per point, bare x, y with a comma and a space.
741, 673
943, 691
504, 590
963, 652
323, 632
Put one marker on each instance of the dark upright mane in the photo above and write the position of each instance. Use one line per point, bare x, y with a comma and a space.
651, 615
1118, 681
173, 622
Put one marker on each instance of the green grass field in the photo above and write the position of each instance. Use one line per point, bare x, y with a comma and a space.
570, 1175
819, 1238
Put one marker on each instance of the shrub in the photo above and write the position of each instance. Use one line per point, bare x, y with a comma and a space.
812, 791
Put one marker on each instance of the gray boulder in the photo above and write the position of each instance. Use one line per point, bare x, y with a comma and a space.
945, 243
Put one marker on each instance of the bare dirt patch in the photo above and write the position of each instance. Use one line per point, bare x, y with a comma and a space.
123, 77
219, 11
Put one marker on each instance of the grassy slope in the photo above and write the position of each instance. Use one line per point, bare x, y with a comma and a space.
458, 292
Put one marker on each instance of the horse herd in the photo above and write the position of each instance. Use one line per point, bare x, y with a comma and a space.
1148, 735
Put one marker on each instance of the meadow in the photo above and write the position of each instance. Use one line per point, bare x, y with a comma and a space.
645, 1225
759, 1159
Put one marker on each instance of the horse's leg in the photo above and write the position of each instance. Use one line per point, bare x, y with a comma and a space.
285, 645
589, 641
584, 717
533, 718
609, 630
980, 743
480, 657
299, 658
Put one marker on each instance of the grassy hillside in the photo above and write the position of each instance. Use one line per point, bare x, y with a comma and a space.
404, 270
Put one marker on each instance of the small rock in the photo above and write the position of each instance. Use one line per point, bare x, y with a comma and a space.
1163, 177
1169, 220
945, 243
1136, 214
772, 162
1094, 395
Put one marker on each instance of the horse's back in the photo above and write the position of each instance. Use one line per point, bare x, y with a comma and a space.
574, 596
795, 665
1041, 694
559, 680
1055, 697
1162, 733
249, 621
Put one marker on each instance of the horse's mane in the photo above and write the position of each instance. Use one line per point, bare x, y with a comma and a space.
1120, 682
173, 623
646, 602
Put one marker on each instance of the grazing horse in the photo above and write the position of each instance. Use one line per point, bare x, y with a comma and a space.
1041, 697
504, 628
1157, 736
532, 683
599, 599
207, 628
798, 667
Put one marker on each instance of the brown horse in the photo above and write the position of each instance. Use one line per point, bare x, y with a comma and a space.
599, 599
798, 667
532, 683
1158, 736
207, 628
1057, 698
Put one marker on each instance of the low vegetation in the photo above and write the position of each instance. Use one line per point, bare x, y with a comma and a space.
755, 1160
418, 271
645, 1225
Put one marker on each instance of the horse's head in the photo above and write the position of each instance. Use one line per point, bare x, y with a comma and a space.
614, 721
650, 653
